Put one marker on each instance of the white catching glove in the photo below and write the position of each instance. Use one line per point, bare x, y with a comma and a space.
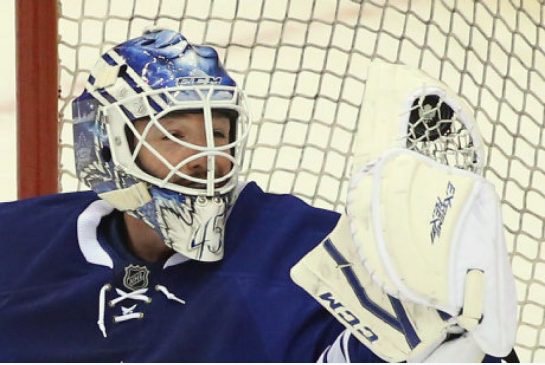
433, 235
420, 254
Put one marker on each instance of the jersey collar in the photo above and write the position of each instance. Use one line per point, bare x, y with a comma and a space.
91, 249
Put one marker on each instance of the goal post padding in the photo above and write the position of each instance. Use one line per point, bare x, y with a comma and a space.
37, 97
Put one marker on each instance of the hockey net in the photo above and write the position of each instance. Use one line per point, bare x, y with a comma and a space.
303, 65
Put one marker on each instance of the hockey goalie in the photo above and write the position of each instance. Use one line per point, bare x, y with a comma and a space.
416, 269
168, 257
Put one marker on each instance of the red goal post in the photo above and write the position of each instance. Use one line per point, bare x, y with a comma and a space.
37, 92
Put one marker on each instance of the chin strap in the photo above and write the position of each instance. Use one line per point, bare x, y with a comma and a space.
130, 198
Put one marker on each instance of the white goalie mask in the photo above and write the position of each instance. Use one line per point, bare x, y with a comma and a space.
147, 80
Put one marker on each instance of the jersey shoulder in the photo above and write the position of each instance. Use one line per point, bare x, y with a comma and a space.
40, 213
39, 233
274, 230
53, 202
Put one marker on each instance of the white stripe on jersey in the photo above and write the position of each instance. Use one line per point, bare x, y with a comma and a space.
338, 351
88, 222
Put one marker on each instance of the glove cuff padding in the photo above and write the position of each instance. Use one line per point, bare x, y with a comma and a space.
334, 276
432, 234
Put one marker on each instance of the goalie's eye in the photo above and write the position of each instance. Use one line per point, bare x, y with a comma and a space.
174, 134
430, 118
220, 134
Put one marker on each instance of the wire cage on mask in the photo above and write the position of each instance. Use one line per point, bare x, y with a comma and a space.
155, 105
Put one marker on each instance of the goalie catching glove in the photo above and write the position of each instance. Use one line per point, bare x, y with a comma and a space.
419, 258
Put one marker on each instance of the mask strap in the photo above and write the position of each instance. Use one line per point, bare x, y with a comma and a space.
129, 198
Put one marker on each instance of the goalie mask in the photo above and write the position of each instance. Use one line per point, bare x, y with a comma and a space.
145, 81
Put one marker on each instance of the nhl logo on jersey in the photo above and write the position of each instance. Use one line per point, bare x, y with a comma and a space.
136, 277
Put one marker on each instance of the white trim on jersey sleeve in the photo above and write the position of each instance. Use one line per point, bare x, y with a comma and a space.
88, 222
338, 351
175, 259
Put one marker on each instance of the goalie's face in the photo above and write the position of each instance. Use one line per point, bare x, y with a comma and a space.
162, 144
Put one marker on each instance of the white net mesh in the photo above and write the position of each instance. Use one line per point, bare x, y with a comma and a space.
303, 64
435, 131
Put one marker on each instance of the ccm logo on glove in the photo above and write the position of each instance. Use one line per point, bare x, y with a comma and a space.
348, 317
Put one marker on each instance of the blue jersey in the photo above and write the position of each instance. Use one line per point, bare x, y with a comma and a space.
69, 291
